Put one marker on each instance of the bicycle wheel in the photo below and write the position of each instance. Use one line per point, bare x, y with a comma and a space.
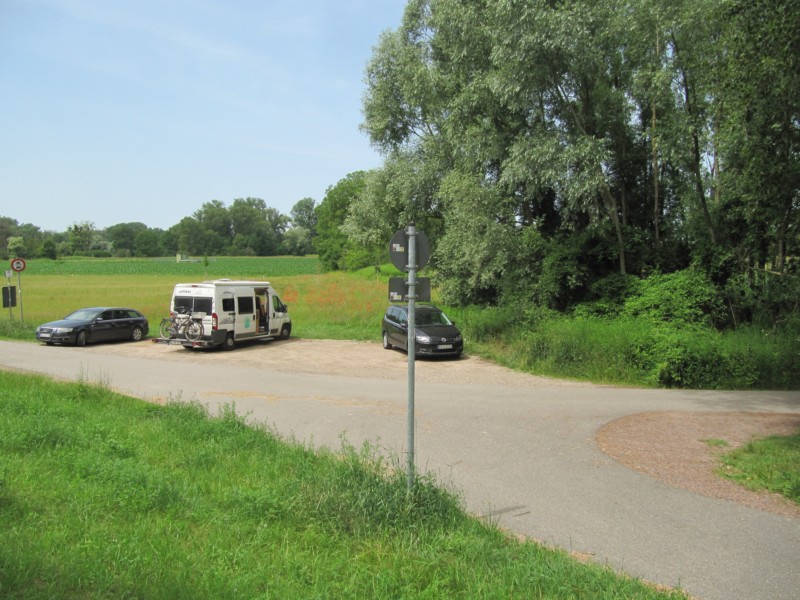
194, 331
166, 329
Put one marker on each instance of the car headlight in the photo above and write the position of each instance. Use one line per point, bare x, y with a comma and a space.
423, 339
457, 338
62, 329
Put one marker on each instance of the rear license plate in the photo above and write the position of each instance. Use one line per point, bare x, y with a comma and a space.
445, 346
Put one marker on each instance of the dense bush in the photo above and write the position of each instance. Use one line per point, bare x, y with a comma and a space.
681, 298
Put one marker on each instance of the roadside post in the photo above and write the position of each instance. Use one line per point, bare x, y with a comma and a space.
409, 250
9, 295
18, 265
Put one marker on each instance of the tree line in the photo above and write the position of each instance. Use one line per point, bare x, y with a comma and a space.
248, 227
556, 151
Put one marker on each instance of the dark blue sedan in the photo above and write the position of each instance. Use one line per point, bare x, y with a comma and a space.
98, 324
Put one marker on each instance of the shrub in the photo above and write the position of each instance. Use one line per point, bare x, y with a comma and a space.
696, 358
607, 296
681, 298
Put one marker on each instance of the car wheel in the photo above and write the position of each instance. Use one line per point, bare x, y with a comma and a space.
386, 344
80, 340
286, 331
229, 343
137, 334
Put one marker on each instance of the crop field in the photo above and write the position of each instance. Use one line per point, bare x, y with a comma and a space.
332, 305
195, 268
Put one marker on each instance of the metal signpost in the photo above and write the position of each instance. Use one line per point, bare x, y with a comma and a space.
403, 252
18, 265
9, 295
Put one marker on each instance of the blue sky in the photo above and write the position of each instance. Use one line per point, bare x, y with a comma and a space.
114, 111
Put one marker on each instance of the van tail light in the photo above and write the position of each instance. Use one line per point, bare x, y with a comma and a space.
214, 321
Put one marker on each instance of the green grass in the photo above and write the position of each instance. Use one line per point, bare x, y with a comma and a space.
104, 496
201, 267
631, 351
771, 464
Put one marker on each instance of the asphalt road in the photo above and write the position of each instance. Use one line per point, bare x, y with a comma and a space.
523, 456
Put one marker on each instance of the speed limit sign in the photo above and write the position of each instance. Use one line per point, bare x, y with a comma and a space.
18, 264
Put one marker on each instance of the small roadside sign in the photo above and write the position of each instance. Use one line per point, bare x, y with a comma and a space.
398, 250
9, 296
18, 264
398, 289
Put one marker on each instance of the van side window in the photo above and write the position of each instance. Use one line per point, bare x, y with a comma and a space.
228, 305
245, 304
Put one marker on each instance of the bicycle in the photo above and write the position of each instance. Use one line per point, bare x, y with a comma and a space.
185, 324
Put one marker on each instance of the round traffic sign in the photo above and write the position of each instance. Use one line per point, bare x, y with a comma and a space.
398, 249
18, 264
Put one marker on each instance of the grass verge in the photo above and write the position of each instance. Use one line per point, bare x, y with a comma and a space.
105, 496
771, 463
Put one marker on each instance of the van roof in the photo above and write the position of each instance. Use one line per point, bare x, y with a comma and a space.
216, 282
238, 282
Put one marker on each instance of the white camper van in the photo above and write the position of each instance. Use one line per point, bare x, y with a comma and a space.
230, 312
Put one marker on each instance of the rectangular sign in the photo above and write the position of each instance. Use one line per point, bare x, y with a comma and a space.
9, 296
398, 289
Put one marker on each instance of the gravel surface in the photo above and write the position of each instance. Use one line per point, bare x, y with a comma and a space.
673, 447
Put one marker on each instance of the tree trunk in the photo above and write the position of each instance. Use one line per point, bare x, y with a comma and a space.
780, 242
688, 96
613, 211
656, 203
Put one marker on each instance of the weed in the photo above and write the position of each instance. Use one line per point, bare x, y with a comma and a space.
716, 443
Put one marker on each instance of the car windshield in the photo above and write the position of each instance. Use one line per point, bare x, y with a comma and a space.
84, 314
432, 317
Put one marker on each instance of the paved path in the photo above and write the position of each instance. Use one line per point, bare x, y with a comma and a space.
521, 455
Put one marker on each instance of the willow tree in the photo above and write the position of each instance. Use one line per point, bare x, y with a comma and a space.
628, 134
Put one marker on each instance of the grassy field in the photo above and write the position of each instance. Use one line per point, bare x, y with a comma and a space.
104, 496
334, 305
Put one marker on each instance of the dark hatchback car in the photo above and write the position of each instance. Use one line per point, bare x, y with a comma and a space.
436, 335
98, 324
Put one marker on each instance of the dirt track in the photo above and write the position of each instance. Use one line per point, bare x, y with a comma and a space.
335, 357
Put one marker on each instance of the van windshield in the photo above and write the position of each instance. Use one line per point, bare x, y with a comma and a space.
195, 304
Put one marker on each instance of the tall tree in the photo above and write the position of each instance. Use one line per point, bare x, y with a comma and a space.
303, 215
123, 236
332, 243
81, 236
215, 222
759, 128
